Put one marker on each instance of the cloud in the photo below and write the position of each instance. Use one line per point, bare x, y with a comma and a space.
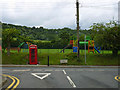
88, 16
57, 13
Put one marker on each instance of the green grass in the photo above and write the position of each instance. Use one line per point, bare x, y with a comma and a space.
22, 58
14, 58
104, 59
66, 51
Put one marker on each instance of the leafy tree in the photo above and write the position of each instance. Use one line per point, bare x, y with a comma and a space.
7, 38
24, 38
107, 35
82, 37
65, 37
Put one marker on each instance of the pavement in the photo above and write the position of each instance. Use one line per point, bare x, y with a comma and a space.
61, 66
4, 80
57, 76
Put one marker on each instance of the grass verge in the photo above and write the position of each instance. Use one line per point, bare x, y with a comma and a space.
54, 58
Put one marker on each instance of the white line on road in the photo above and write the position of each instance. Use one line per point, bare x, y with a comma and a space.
71, 82
22, 70
37, 70
58, 70
49, 70
64, 72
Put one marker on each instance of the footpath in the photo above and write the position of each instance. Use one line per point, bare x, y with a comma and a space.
3, 80
61, 66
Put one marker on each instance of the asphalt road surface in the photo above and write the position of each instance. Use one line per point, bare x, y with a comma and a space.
39, 77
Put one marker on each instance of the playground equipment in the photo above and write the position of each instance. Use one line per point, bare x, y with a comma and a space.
75, 47
65, 48
25, 46
33, 54
0, 48
96, 49
90, 46
90, 43
19, 47
28, 43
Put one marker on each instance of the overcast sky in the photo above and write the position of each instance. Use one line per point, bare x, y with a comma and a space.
57, 13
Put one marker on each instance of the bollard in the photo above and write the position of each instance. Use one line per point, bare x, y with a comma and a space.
48, 60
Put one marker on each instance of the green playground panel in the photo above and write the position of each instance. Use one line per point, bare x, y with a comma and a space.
83, 42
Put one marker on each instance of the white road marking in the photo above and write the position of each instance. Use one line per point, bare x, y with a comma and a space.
49, 70
71, 82
21, 70
45, 75
58, 70
37, 70
64, 72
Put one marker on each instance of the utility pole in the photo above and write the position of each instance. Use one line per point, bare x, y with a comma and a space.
77, 6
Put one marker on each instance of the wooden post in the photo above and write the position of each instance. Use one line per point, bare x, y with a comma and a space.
77, 6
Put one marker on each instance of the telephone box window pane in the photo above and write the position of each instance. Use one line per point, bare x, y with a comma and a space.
32, 55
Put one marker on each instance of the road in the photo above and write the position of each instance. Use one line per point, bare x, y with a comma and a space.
39, 77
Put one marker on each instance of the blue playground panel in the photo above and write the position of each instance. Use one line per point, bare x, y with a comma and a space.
75, 49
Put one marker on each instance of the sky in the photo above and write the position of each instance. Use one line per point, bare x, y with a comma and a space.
54, 14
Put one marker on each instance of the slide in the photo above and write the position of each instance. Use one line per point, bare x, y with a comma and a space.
65, 48
21, 44
96, 49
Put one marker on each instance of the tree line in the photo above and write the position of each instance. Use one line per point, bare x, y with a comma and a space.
106, 35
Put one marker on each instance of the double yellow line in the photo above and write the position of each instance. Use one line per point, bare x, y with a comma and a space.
14, 80
117, 78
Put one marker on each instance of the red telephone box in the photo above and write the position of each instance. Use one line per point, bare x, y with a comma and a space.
33, 54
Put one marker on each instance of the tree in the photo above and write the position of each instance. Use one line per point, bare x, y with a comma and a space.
64, 35
24, 38
82, 37
107, 35
64, 38
7, 38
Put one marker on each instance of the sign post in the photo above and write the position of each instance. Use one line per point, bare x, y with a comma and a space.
85, 49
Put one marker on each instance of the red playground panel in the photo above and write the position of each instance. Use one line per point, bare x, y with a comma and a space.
33, 54
71, 42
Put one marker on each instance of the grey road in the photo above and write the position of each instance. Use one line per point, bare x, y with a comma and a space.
39, 77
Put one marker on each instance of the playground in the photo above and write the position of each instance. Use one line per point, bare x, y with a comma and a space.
91, 47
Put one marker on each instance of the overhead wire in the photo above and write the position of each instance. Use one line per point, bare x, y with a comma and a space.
58, 5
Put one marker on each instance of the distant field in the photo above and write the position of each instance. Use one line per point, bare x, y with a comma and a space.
66, 51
